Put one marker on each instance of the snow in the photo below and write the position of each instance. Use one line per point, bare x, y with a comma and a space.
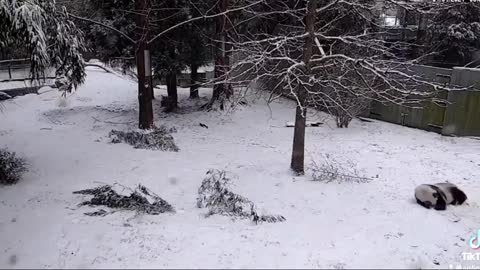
202, 69
375, 224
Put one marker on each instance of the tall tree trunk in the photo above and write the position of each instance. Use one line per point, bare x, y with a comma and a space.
172, 91
298, 149
145, 88
194, 81
172, 84
221, 90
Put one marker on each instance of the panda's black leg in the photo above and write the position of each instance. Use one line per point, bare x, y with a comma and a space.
424, 204
441, 204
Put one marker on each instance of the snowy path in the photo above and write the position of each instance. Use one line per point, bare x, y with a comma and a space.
376, 224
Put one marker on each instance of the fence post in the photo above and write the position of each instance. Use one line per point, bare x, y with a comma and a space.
9, 71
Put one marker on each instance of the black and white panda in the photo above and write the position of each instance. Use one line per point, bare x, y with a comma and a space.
453, 194
439, 195
430, 196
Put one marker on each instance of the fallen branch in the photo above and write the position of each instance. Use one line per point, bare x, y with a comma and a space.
214, 195
140, 199
4, 96
98, 66
332, 170
159, 138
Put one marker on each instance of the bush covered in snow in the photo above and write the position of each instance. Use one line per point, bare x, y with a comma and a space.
156, 139
332, 170
11, 167
215, 195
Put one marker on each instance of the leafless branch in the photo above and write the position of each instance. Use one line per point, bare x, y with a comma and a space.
103, 25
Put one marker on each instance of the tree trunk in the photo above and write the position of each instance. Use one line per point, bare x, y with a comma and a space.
298, 149
221, 91
172, 91
145, 89
194, 81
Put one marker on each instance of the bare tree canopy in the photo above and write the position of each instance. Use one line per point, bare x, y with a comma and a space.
349, 65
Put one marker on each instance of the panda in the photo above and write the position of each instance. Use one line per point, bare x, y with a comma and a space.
439, 195
430, 196
453, 194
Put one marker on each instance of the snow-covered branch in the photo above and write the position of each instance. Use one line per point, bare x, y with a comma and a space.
350, 66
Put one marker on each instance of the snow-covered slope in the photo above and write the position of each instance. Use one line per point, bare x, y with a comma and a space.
376, 224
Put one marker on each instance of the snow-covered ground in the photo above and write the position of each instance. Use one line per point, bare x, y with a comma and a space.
375, 224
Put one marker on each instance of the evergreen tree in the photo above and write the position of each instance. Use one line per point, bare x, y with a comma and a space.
454, 32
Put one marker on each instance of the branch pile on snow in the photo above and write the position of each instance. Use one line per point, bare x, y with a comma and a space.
215, 195
11, 167
4, 96
159, 138
332, 170
140, 199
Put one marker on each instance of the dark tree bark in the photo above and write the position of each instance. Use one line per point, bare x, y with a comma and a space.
172, 91
194, 81
145, 88
172, 84
298, 149
221, 91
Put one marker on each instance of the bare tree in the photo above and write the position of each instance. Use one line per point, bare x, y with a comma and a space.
333, 58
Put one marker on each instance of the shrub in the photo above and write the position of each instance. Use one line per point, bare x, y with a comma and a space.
11, 167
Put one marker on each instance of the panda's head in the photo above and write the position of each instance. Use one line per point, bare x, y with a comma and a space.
430, 196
